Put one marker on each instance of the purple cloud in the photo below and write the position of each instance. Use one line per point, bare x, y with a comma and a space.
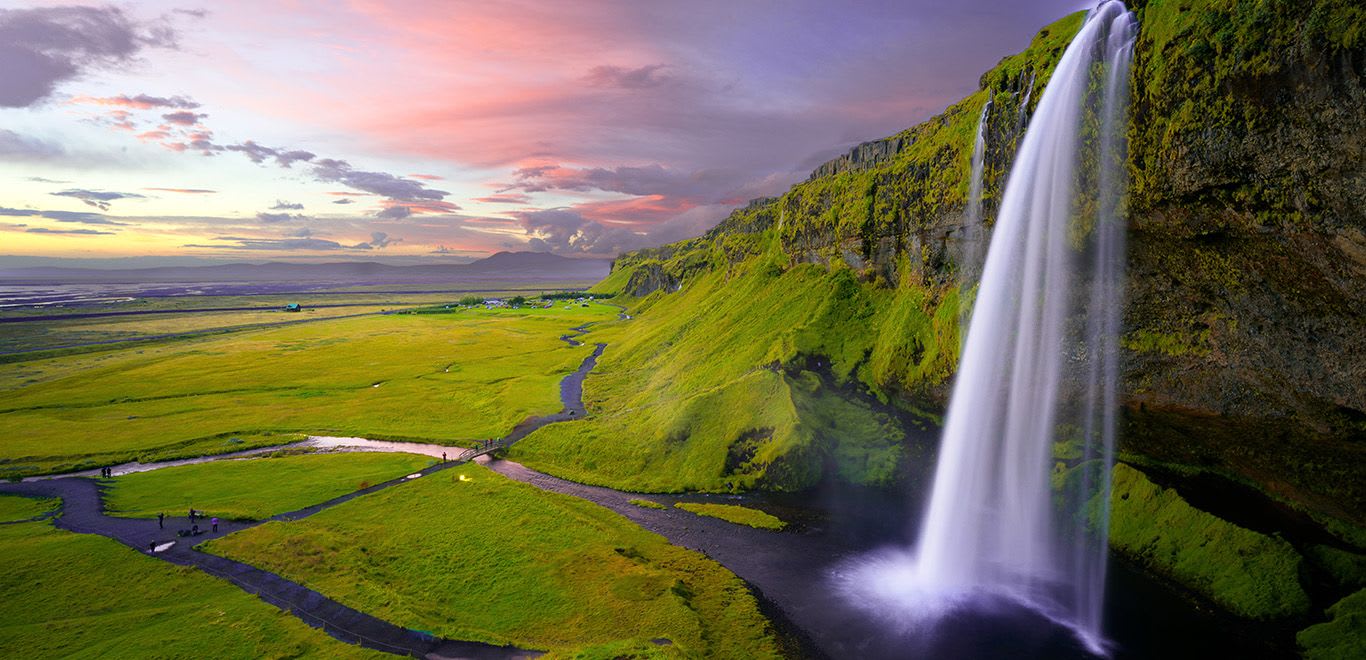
99, 199
183, 118
45, 46
281, 205
80, 232
624, 78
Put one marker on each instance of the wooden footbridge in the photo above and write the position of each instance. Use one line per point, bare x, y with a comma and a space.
481, 449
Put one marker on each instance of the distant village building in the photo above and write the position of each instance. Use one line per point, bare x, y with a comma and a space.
293, 307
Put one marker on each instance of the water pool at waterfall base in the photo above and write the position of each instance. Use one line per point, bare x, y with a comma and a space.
891, 587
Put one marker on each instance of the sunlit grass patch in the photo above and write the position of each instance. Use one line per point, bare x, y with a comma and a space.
81, 595
469, 554
15, 507
740, 515
255, 488
1251, 574
649, 504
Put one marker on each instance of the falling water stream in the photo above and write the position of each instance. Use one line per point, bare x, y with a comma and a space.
1019, 505
970, 259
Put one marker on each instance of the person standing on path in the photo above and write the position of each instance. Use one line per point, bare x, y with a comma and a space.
214, 522
443, 457
161, 520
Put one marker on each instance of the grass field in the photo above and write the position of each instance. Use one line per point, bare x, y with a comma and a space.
463, 553
14, 507
255, 488
450, 378
731, 513
80, 595
43, 335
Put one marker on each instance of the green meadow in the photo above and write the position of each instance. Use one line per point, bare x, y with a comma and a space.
79, 595
464, 552
452, 377
254, 488
14, 508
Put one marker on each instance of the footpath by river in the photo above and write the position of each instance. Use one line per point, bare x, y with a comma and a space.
793, 572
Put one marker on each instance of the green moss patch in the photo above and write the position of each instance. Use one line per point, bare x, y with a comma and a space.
649, 504
1251, 574
732, 513
1343, 636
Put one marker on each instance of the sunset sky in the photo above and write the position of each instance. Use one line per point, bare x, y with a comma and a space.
292, 129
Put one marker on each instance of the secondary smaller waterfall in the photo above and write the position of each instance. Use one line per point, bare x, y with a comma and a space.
974, 234
1019, 505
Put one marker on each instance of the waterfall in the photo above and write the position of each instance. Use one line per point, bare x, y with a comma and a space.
973, 235
1039, 366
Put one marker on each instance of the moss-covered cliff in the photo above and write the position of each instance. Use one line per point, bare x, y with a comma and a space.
1247, 294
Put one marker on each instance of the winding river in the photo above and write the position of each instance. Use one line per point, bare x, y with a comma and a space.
789, 571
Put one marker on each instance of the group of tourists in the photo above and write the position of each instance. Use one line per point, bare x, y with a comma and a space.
194, 530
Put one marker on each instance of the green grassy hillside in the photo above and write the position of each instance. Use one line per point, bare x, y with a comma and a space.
462, 552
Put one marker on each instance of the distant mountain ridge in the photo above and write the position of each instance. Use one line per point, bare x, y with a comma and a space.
522, 266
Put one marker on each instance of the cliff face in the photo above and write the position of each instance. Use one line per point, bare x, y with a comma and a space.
1246, 313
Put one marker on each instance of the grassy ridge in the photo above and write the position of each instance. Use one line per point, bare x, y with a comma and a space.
743, 379
80, 595
463, 552
1342, 636
1253, 575
254, 488
732, 513
450, 378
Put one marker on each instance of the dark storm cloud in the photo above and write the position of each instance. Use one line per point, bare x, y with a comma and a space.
45, 46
